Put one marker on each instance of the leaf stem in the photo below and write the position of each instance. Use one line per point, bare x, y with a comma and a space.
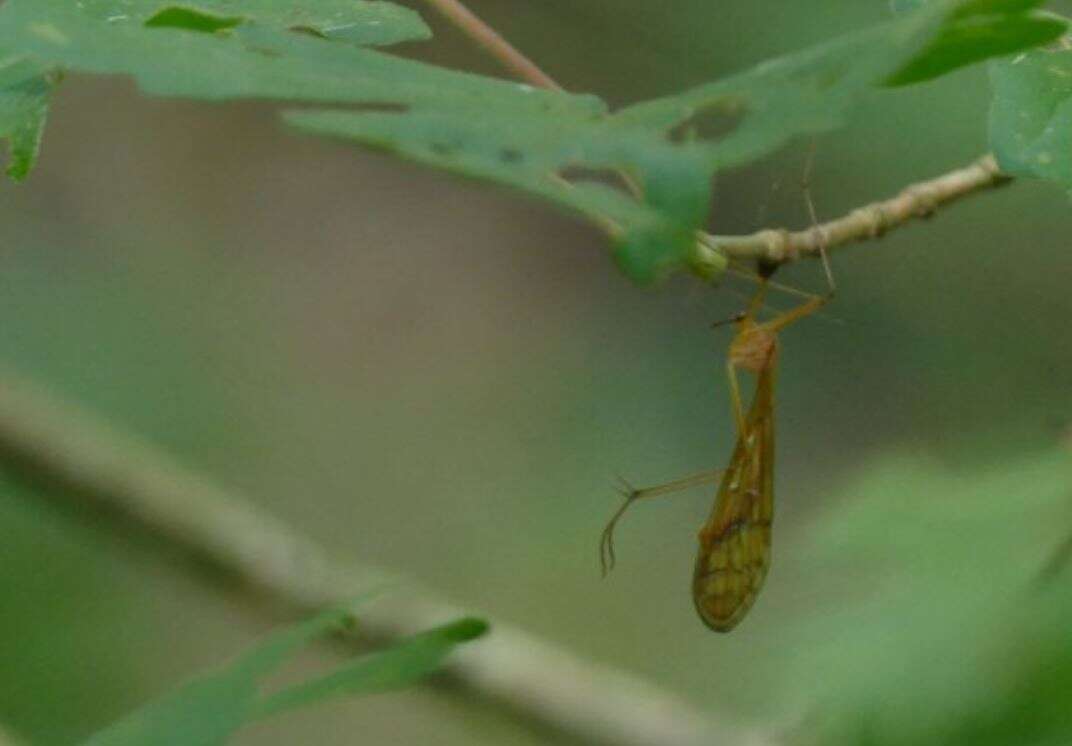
492, 42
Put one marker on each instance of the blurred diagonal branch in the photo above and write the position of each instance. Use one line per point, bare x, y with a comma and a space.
915, 202
122, 482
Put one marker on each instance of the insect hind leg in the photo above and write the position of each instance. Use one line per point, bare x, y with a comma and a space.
607, 558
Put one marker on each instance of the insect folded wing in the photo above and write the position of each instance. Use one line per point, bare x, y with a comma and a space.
735, 541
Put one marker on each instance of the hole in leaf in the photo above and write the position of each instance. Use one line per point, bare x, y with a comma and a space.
191, 19
578, 174
713, 122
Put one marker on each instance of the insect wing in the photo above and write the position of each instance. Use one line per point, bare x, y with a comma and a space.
735, 542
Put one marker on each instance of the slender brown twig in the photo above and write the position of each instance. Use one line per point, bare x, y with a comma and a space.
921, 200
119, 481
492, 42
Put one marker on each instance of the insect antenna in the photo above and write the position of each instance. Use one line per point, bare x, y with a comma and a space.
820, 234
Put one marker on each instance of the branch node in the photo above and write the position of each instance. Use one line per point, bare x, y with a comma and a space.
875, 217
778, 248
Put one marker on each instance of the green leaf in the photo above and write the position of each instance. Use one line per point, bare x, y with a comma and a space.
397, 667
899, 7
798, 94
253, 60
940, 615
970, 7
109, 26
668, 148
25, 92
207, 710
1031, 115
642, 175
210, 709
353, 21
979, 30
570, 158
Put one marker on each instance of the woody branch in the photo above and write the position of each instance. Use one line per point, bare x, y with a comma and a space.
918, 201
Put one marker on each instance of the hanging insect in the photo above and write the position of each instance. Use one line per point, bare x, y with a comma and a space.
735, 541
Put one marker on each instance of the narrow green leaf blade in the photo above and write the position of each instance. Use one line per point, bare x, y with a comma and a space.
203, 713
209, 709
399, 666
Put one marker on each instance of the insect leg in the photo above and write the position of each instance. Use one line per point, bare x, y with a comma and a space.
735, 398
796, 314
607, 558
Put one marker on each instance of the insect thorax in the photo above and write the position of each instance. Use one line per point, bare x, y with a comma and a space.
753, 348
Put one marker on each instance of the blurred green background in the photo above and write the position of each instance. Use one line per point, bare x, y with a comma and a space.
444, 379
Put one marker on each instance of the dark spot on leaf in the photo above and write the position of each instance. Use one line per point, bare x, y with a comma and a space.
191, 19
443, 148
511, 155
266, 51
308, 31
712, 122
830, 76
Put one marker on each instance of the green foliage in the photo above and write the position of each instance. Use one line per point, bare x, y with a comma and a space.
191, 19
1031, 115
979, 30
391, 669
670, 147
945, 617
642, 174
56, 675
353, 21
25, 91
211, 708
905, 6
